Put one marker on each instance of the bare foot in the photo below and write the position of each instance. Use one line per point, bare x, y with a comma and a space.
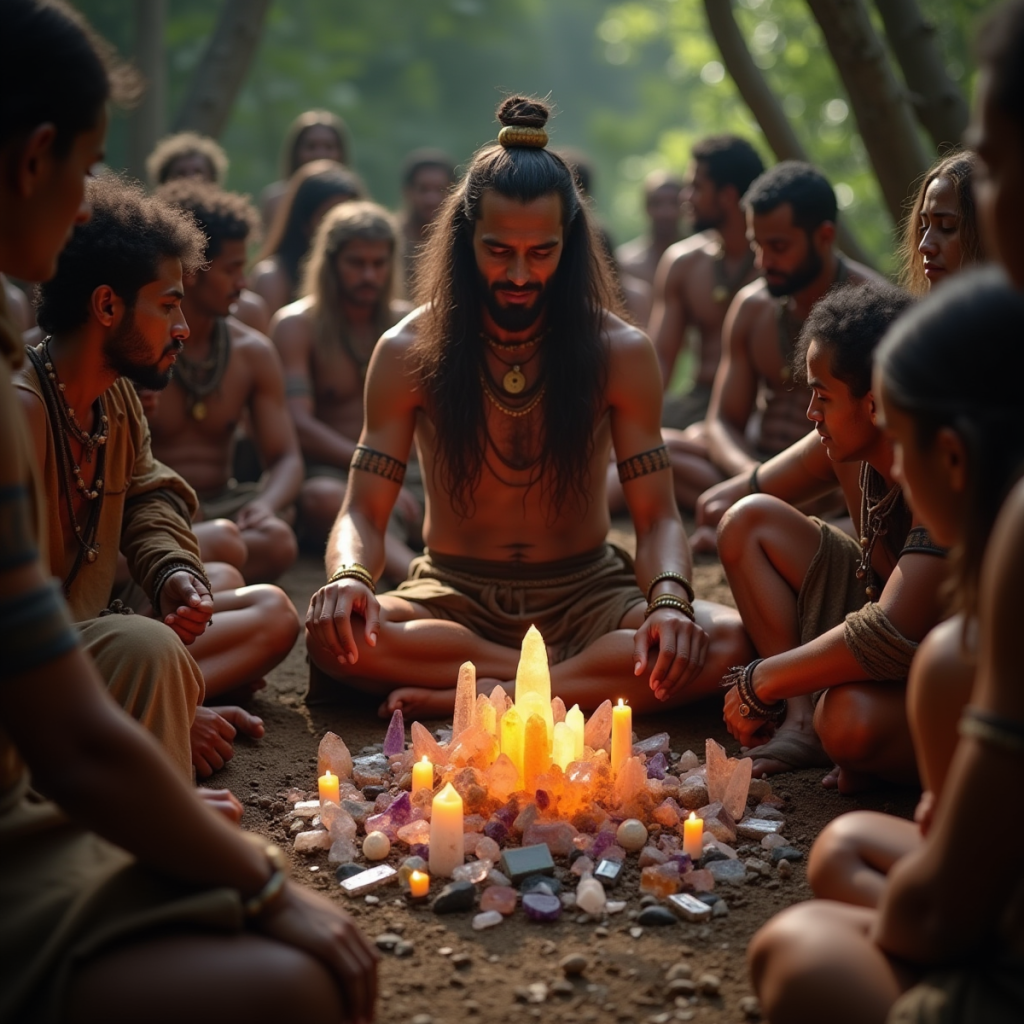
848, 782
223, 801
211, 736
419, 701
704, 540
250, 725
788, 750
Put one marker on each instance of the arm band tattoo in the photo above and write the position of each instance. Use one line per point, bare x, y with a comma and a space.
371, 461
17, 545
646, 462
297, 387
919, 542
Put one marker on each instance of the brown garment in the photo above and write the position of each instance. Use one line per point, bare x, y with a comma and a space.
573, 602
682, 411
830, 590
987, 993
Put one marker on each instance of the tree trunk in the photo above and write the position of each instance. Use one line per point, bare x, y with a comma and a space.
147, 120
938, 102
762, 102
223, 67
886, 122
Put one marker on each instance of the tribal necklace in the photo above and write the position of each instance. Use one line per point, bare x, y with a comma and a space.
514, 381
201, 379
535, 394
727, 285
874, 523
60, 413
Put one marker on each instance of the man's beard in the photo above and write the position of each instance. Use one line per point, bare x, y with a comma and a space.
799, 278
514, 319
708, 222
124, 350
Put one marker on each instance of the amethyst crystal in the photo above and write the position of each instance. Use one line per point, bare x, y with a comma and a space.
398, 813
657, 766
541, 907
496, 830
601, 843
394, 740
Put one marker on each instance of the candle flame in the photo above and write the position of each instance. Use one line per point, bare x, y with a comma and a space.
418, 875
621, 702
328, 775
693, 815
424, 759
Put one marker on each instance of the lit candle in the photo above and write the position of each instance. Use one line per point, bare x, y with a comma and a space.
512, 738
622, 734
419, 884
536, 751
563, 747
422, 775
447, 846
328, 788
574, 719
693, 836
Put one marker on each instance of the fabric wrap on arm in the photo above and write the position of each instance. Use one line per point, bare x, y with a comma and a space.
879, 647
34, 628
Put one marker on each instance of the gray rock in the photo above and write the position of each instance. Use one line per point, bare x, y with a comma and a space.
679, 970
790, 853
785, 868
759, 866
562, 987
656, 917
683, 987
709, 984
750, 1007
636, 932
648, 900
720, 909
693, 792
540, 883
348, 871
461, 960
768, 813
387, 941
454, 897
403, 948
713, 853
728, 872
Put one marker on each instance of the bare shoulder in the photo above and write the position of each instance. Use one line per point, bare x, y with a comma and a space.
623, 339
682, 257
632, 361
391, 377
292, 325
859, 273
399, 309
256, 349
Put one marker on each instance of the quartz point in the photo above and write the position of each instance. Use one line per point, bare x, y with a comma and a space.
334, 755
394, 739
728, 778
424, 745
598, 729
465, 700
590, 896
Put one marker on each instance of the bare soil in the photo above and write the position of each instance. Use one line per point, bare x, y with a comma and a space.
626, 977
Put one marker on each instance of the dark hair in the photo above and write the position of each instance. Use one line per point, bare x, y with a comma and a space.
448, 348
850, 321
802, 186
959, 169
580, 164
221, 216
55, 68
1000, 48
174, 147
121, 245
298, 128
420, 159
730, 160
930, 368
311, 186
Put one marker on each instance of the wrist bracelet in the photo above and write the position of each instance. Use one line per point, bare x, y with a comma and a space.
271, 892
355, 571
751, 706
753, 484
676, 577
671, 601
169, 570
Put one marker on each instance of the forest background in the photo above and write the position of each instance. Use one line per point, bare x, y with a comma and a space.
634, 83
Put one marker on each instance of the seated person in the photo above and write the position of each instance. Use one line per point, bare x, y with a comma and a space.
326, 340
515, 380
791, 219
907, 942
427, 175
313, 190
826, 614
663, 208
224, 371
113, 312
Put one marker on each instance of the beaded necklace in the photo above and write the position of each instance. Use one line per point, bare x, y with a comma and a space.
875, 513
200, 379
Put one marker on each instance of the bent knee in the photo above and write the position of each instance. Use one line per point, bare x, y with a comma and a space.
739, 526
839, 842
279, 618
730, 644
852, 722
220, 540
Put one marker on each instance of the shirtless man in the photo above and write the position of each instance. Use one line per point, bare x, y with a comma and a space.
698, 277
791, 214
663, 206
514, 383
426, 178
830, 616
325, 341
112, 316
224, 371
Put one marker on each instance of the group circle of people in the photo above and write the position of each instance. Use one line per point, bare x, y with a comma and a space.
451, 404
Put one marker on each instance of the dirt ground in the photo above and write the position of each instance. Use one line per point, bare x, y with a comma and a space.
626, 977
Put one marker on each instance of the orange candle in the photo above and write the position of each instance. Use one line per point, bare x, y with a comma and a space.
422, 775
419, 884
693, 836
328, 788
622, 734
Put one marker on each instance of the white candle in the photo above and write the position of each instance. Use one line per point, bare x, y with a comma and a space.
447, 846
622, 734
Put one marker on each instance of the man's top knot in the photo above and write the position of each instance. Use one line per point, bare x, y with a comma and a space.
523, 120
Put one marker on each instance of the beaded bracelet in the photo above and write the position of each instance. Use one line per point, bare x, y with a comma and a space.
676, 577
169, 570
671, 601
753, 484
271, 892
741, 676
355, 571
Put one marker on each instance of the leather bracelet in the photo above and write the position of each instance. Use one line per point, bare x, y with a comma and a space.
271, 892
355, 571
671, 601
753, 484
169, 570
751, 706
676, 577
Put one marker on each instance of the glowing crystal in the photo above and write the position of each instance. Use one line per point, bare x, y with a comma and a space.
465, 700
333, 754
598, 730
728, 779
424, 745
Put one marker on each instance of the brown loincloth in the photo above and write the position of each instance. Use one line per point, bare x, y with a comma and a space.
67, 894
573, 602
231, 500
988, 993
681, 411
830, 590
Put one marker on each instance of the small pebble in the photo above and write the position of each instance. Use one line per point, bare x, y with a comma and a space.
488, 919
548, 948
562, 987
404, 948
785, 868
601, 932
574, 964
681, 987
750, 1007
631, 835
648, 900
679, 970
373, 900
615, 906
720, 909
636, 932
657, 917
709, 984
387, 941
461, 960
